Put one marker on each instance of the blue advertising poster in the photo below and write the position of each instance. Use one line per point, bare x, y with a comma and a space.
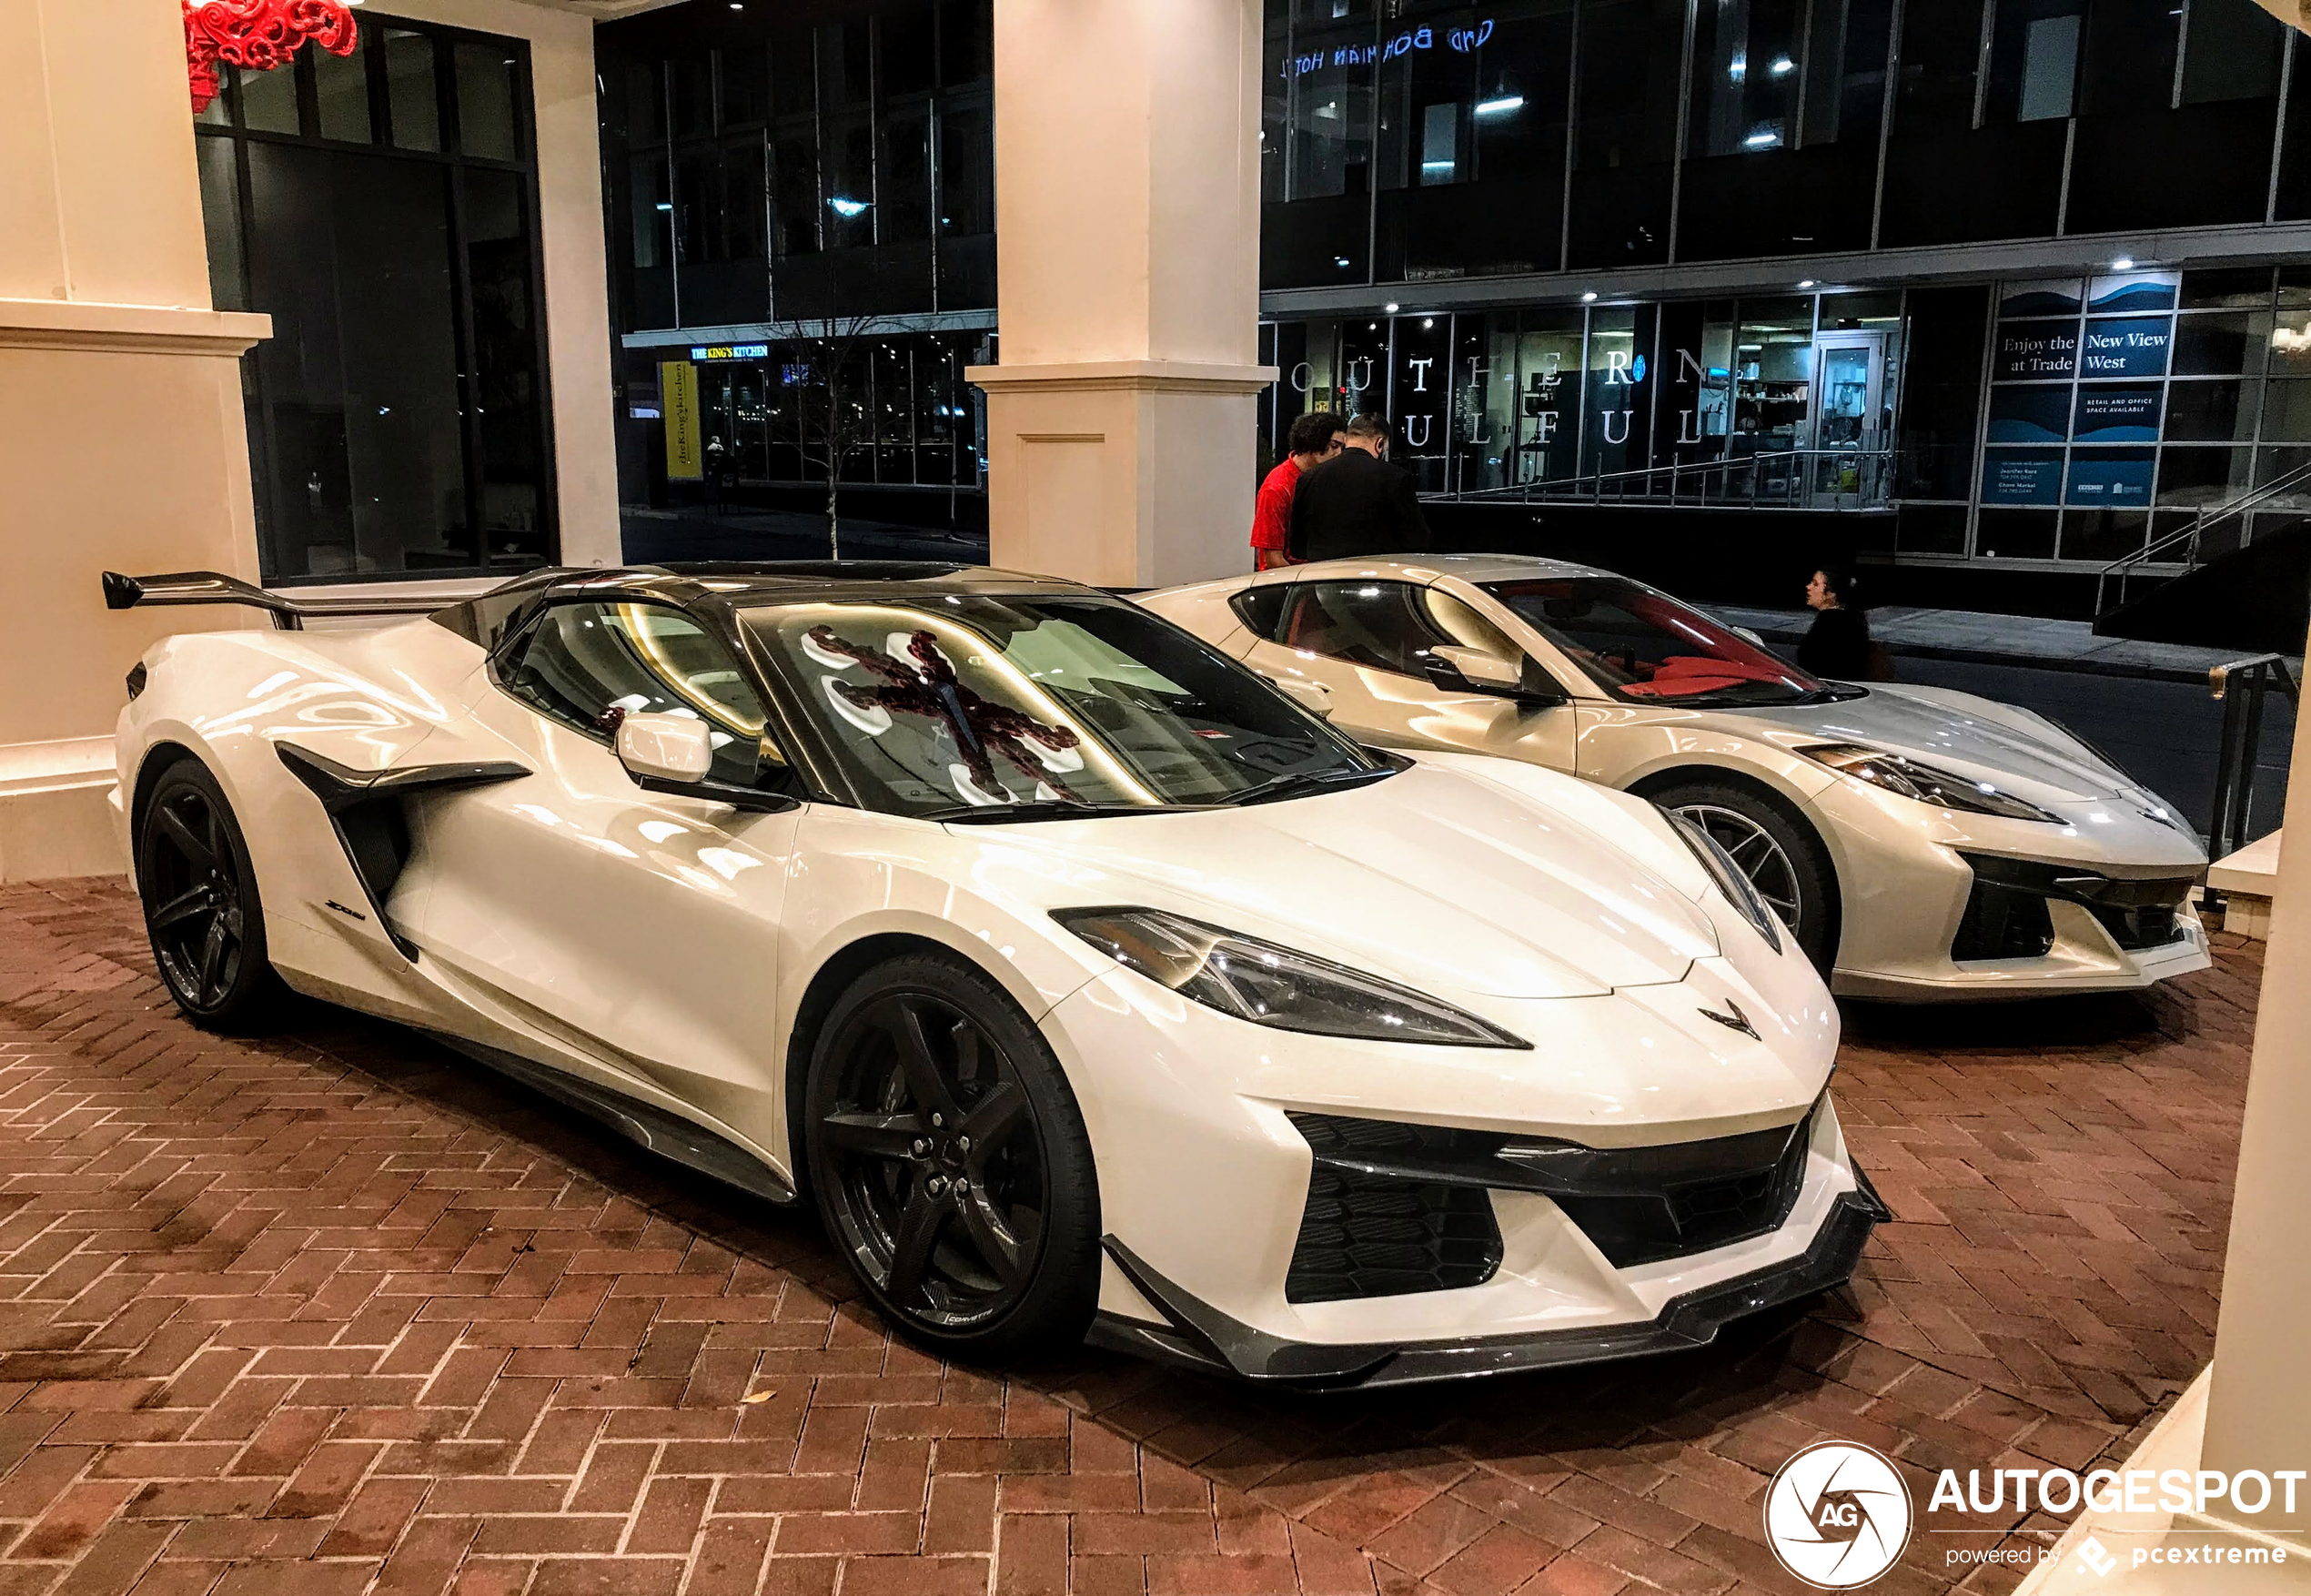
2143, 291
2135, 347
2036, 351
2028, 415
2022, 475
2120, 478
2117, 413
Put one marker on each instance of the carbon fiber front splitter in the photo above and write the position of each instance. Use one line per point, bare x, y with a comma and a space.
1199, 1336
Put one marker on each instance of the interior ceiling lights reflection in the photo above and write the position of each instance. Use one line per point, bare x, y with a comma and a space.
843, 206
1341, 261
1739, 67
1763, 139
1784, 67
1502, 107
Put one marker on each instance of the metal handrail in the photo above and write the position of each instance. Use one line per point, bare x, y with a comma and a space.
2193, 531
1592, 486
2242, 686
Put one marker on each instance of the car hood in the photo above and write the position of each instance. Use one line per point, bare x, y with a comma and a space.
1430, 877
1956, 735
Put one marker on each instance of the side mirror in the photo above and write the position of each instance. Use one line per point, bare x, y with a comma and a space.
1482, 670
671, 748
1457, 669
1312, 696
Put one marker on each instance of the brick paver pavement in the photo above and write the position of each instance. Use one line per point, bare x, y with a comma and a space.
333, 1311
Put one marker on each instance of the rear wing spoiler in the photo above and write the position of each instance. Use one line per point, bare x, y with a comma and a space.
209, 587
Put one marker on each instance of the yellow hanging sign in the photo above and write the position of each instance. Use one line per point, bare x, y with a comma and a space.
678, 385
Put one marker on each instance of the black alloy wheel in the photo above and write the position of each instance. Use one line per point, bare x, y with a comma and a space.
1783, 858
950, 1160
201, 908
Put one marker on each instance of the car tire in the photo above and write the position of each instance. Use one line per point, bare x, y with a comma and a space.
950, 1163
203, 913
1782, 857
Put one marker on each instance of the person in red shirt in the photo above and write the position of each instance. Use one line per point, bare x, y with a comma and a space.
1315, 437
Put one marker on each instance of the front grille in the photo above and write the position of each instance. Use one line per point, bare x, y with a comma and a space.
1398, 1209
1368, 1235
2007, 916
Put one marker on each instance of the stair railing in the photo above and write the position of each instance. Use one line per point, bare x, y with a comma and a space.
2191, 533
2242, 686
1776, 479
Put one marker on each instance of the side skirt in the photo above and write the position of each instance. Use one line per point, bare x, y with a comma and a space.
670, 1136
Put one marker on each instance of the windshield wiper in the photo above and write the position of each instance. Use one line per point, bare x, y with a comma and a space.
1050, 809
1303, 786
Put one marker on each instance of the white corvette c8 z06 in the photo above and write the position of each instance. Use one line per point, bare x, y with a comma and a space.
1084, 982
1922, 845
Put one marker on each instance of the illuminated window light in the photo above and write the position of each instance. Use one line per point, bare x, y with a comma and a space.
847, 207
1502, 107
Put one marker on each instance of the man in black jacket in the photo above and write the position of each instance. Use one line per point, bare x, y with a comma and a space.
1358, 503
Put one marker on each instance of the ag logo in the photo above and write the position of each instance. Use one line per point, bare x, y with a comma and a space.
1837, 1515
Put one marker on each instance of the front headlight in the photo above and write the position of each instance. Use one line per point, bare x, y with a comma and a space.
1925, 782
1274, 987
1728, 877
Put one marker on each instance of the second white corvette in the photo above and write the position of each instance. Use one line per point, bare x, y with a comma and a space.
1921, 843
1084, 983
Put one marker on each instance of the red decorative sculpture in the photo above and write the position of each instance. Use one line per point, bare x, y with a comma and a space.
257, 36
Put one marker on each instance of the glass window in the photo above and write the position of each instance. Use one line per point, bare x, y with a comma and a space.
2291, 343
1379, 625
846, 62
848, 220
2212, 412
1942, 402
1618, 394
1625, 139
1423, 400
2286, 413
1696, 381
2130, 58
794, 177
1014, 700
746, 85
907, 39
2103, 535
903, 185
966, 48
698, 206
744, 202
1772, 374
1549, 356
489, 85
413, 97
341, 91
508, 422
652, 187
2033, 60
2231, 51
220, 204
2229, 345
2246, 288
268, 99
645, 103
1745, 76
1484, 403
793, 81
2194, 478
689, 93
582, 661
1645, 647
2015, 534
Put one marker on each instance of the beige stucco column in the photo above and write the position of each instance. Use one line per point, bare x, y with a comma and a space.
1120, 424
122, 439
2258, 1413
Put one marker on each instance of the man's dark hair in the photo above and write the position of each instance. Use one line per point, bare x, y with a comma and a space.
1368, 425
1311, 433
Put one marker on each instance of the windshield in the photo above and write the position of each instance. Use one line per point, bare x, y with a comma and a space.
1051, 702
1647, 648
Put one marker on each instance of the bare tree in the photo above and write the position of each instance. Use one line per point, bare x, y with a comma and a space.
835, 414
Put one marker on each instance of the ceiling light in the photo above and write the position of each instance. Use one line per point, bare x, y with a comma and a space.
1589, 298
1427, 321
1806, 284
847, 207
1390, 307
1501, 107
1763, 139
1784, 67
1341, 261
2124, 263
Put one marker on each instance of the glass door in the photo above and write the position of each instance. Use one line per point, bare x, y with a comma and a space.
1850, 417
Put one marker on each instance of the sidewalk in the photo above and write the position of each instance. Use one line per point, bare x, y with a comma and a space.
1970, 637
